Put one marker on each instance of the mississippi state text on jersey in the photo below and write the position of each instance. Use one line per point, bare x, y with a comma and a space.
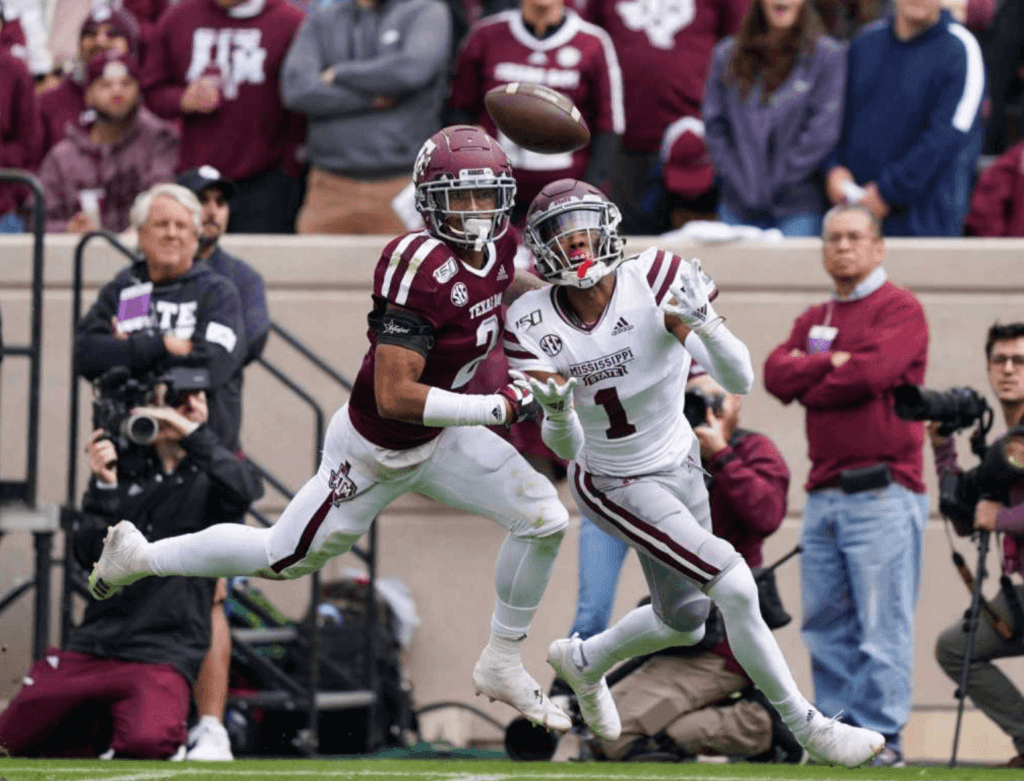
631, 371
463, 306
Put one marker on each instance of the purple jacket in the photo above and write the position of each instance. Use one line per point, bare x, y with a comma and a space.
146, 156
766, 154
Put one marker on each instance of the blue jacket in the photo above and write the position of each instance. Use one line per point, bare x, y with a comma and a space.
767, 154
913, 123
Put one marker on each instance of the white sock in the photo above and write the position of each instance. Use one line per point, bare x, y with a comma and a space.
520, 576
505, 651
222, 550
639, 632
755, 647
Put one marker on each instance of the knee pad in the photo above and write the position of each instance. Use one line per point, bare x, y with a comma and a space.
735, 590
687, 617
550, 524
319, 554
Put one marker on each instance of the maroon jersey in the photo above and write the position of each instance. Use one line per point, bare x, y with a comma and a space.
578, 60
665, 48
250, 132
57, 107
19, 126
463, 305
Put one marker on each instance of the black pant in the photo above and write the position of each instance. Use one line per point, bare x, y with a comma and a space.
265, 203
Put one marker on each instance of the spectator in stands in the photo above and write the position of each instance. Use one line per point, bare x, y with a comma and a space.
120, 686
687, 177
100, 168
106, 28
165, 310
843, 19
369, 106
665, 52
866, 508
997, 202
1002, 45
773, 111
215, 65
27, 36
19, 135
546, 42
909, 154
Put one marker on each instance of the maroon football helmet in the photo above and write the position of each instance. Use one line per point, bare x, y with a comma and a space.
572, 230
463, 161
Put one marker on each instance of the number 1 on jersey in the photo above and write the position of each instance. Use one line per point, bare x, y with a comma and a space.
620, 425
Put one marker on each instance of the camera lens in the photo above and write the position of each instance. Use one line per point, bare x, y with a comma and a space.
141, 429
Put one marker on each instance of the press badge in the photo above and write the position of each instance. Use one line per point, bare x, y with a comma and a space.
133, 310
820, 338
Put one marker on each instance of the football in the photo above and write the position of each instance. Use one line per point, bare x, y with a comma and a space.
537, 117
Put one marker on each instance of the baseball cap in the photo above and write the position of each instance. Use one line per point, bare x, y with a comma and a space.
198, 179
686, 166
120, 20
111, 65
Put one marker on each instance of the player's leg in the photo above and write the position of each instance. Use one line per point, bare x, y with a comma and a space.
324, 519
506, 488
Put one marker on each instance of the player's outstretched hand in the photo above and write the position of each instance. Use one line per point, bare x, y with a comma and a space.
689, 301
518, 394
555, 398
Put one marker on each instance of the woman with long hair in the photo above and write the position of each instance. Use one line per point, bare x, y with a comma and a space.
773, 110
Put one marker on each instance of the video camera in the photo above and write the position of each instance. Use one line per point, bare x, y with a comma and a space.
1000, 467
696, 404
118, 392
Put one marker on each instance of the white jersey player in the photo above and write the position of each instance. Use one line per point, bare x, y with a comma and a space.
606, 350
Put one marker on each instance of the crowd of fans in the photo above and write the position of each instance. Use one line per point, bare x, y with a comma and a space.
749, 112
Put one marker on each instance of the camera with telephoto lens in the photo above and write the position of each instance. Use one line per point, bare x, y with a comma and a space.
118, 393
955, 409
696, 404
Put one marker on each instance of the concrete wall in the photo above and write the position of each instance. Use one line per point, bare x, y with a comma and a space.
319, 289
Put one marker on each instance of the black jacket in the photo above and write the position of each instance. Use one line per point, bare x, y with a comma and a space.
200, 305
161, 620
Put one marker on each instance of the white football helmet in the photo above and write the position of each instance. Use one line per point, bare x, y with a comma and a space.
572, 230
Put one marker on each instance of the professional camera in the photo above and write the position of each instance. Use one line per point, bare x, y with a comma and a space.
955, 409
118, 393
696, 404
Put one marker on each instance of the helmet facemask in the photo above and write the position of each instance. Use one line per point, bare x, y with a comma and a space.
576, 243
447, 205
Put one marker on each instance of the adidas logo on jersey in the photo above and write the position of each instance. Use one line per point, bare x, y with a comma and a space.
502, 274
621, 327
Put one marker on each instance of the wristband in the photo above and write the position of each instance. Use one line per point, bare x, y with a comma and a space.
445, 408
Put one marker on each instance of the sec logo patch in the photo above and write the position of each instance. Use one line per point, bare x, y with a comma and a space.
460, 295
551, 345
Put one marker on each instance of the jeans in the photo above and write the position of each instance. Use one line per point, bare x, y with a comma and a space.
11, 223
600, 562
860, 571
806, 224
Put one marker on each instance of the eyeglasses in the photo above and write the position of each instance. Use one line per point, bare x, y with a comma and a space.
1017, 361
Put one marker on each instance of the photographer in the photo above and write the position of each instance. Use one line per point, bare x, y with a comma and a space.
166, 310
674, 701
987, 686
121, 686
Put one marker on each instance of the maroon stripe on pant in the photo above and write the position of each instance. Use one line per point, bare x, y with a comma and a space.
607, 507
306, 539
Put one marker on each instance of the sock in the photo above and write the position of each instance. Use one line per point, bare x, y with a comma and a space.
755, 647
520, 576
504, 651
639, 632
222, 550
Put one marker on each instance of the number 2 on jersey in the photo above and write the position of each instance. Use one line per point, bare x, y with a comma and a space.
620, 425
486, 333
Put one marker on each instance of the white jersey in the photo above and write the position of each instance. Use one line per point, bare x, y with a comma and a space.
631, 371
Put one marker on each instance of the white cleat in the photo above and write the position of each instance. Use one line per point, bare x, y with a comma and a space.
121, 563
208, 741
595, 699
516, 687
830, 742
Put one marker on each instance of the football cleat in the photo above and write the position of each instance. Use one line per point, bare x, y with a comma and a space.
594, 697
516, 687
830, 742
121, 563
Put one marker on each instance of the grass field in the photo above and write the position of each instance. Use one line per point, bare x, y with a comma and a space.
457, 769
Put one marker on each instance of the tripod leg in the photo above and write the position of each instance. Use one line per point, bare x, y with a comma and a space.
973, 616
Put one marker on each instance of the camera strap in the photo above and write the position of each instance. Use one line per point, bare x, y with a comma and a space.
1013, 600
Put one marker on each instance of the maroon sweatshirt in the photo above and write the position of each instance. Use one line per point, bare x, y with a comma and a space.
997, 201
58, 107
850, 418
19, 126
250, 132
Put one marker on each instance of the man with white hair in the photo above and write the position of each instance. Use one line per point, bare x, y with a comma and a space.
164, 309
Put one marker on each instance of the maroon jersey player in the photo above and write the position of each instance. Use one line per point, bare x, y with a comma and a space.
436, 315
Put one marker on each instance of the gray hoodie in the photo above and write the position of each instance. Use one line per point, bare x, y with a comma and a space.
390, 81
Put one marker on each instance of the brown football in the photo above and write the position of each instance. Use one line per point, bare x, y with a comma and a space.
537, 117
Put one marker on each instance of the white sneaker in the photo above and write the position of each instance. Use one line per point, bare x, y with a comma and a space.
121, 563
516, 687
595, 699
830, 742
208, 741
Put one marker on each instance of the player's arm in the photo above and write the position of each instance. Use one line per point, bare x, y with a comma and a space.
404, 340
561, 429
521, 282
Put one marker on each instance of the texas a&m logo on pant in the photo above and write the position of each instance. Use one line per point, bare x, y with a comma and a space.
342, 487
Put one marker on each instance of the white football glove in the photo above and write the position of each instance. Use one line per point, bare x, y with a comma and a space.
689, 301
554, 398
